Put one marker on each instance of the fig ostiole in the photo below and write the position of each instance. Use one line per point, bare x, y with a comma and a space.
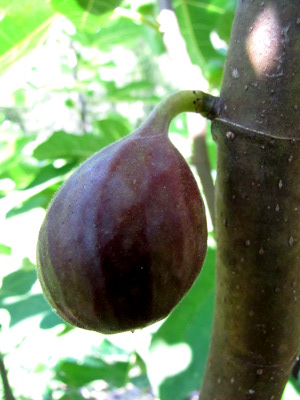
125, 237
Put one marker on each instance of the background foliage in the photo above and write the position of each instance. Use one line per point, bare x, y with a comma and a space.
74, 77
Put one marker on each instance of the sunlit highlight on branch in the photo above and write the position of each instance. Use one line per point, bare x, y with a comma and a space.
263, 42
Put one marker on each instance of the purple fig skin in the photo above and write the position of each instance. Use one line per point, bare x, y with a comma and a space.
124, 238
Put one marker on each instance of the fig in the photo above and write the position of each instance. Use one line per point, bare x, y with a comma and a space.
124, 238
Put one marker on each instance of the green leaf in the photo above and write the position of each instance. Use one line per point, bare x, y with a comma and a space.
185, 336
118, 31
82, 20
71, 395
44, 174
68, 146
197, 20
224, 23
17, 283
4, 249
108, 349
141, 382
38, 196
41, 189
22, 28
134, 91
14, 164
50, 320
98, 7
76, 374
23, 309
41, 200
112, 128
48, 174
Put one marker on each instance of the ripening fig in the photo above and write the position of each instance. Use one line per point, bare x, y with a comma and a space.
125, 237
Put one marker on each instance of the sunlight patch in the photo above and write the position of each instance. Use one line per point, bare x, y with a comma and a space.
263, 42
171, 359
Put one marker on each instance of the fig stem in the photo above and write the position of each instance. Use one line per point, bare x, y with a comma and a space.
183, 101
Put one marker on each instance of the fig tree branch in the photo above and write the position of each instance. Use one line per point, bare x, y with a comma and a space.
201, 161
8, 395
256, 330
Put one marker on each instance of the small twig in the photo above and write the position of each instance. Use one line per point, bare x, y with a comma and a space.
8, 395
201, 161
81, 98
165, 5
83, 111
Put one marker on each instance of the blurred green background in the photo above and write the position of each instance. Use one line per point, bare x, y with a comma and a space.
74, 77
